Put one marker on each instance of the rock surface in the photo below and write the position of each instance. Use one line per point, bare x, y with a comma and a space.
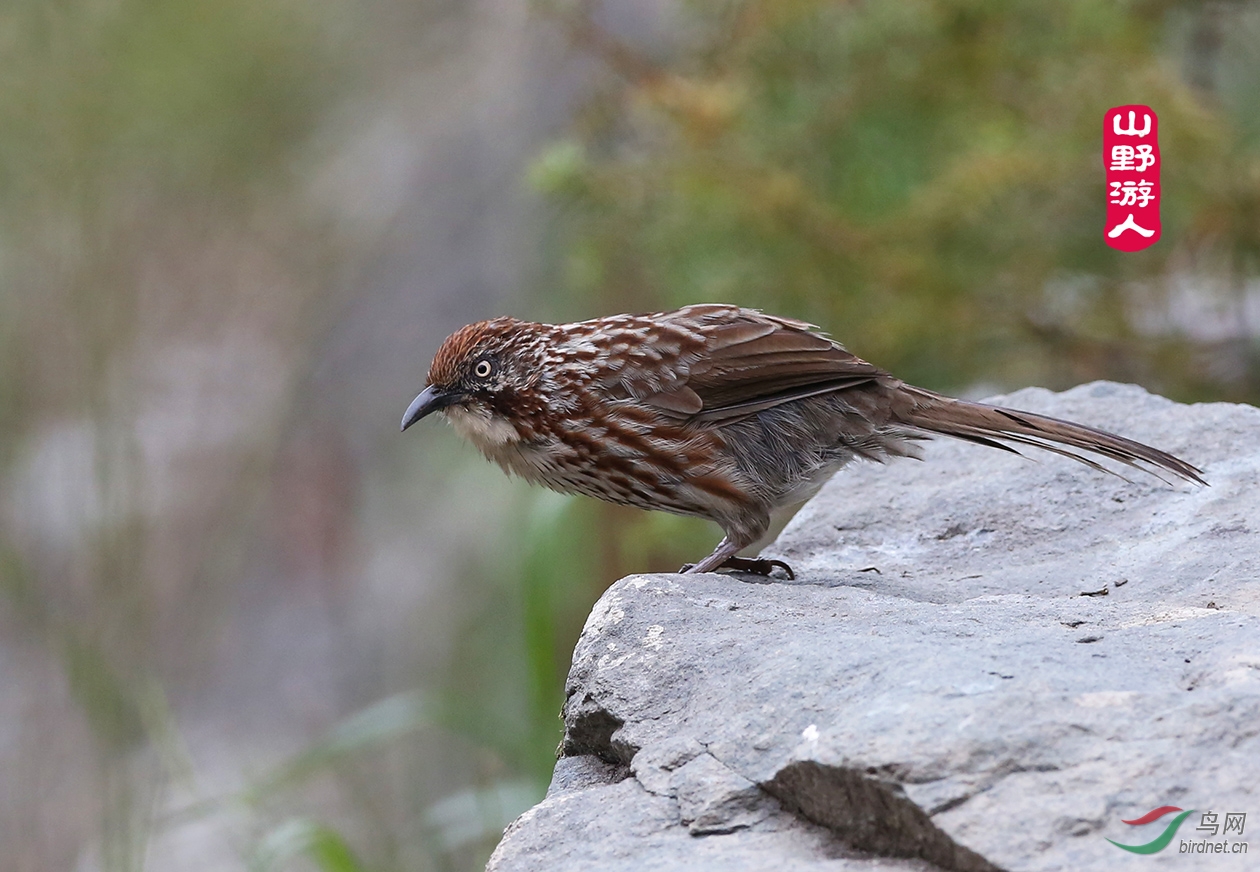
984, 663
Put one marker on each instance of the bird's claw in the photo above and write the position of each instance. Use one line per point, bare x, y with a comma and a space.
758, 566
763, 566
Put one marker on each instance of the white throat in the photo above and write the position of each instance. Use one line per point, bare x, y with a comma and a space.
481, 427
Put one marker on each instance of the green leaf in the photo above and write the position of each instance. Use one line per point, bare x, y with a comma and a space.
301, 837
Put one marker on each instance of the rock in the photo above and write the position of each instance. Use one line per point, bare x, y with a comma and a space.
984, 663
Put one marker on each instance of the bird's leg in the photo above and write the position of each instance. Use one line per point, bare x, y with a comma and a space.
725, 550
723, 557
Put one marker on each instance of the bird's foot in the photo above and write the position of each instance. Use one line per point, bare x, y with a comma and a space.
756, 565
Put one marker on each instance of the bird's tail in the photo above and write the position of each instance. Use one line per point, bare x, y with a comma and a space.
995, 427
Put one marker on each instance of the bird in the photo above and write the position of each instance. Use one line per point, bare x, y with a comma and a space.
712, 411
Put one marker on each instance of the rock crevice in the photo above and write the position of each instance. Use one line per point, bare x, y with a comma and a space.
870, 813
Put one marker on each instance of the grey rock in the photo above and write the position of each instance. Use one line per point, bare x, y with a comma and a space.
655, 766
581, 772
624, 828
984, 663
713, 798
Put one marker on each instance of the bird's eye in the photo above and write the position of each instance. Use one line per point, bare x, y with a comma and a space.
483, 369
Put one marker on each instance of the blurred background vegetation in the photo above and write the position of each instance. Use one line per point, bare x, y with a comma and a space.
243, 623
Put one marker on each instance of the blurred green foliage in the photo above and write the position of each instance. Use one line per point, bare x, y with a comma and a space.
923, 179
170, 95
299, 837
129, 132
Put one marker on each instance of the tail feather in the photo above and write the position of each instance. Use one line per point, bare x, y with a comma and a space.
994, 426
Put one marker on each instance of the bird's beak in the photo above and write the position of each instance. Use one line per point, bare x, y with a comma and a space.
431, 399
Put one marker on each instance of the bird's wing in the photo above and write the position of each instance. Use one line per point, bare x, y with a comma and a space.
747, 362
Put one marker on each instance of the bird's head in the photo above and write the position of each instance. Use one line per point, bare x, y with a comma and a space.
477, 377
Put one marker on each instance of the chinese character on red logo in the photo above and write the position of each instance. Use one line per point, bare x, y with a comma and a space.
1131, 158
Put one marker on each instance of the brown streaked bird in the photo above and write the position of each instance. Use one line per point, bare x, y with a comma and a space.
713, 411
